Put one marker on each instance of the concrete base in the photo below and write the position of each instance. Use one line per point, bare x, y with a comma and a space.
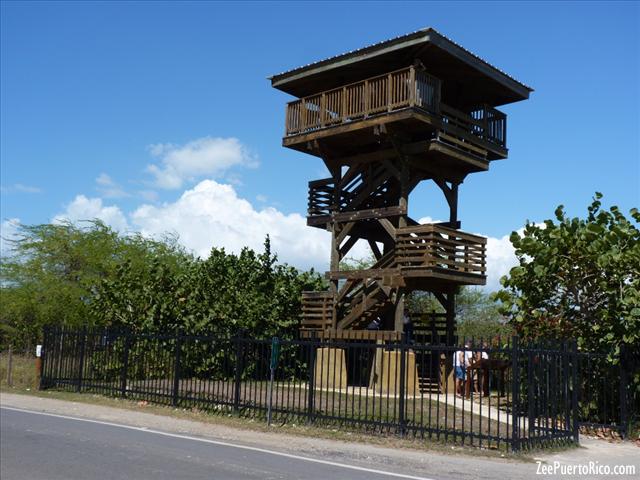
385, 374
447, 374
330, 369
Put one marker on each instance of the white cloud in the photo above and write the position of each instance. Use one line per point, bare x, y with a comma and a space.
208, 156
108, 188
8, 232
149, 195
500, 259
83, 208
20, 188
424, 220
211, 214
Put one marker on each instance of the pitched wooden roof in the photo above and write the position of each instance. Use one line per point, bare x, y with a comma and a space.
442, 57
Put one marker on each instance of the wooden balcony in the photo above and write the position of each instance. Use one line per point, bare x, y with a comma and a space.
425, 255
441, 252
406, 90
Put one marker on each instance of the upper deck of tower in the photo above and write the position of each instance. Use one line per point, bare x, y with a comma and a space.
422, 84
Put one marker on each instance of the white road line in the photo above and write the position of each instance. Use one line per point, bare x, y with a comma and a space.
223, 444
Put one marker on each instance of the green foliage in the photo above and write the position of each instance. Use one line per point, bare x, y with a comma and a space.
51, 276
222, 295
91, 276
578, 278
478, 315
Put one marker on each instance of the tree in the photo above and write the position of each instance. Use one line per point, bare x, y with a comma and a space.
221, 295
51, 276
478, 315
578, 278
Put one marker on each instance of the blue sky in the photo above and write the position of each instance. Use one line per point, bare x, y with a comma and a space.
107, 108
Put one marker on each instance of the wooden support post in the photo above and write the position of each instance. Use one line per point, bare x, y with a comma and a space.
451, 315
398, 313
453, 204
336, 173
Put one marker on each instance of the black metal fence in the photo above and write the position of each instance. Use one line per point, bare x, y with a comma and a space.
515, 396
609, 391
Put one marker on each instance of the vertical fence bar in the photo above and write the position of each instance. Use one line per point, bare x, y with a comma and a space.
403, 385
125, 364
531, 417
176, 371
43, 371
237, 382
83, 343
515, 394
624, 396
574, 391
313, 346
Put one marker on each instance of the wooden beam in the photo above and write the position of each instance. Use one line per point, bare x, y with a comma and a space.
344, 231
344, 249
374, 248
388, 226
372, 273
371, 213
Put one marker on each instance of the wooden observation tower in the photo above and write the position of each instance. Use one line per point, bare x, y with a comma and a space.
384, 118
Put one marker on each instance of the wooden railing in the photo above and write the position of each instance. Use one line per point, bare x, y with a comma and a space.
407, 87
385, 93
320, 197
317, 310
437, 247
363, 189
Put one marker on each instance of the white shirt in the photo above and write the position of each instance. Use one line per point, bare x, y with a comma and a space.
468, 358
456, 359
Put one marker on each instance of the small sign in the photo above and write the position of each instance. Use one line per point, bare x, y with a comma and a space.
38, 351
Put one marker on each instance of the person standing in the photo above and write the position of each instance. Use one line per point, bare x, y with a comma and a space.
460, 373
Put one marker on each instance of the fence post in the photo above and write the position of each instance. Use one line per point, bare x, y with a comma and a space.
83, 342
125, 364
624, 397
238, 376
43, 351
176, 370
403, 385
515, 394
531, 414
313, 346
574, 391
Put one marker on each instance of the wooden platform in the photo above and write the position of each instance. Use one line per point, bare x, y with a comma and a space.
332, 334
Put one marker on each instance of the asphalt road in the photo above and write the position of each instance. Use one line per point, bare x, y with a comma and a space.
44, 446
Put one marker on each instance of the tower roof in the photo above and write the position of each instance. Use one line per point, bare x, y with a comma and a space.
474, 78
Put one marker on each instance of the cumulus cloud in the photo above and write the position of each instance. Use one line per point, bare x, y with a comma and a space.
501, 258
108, 188
84, 208
208, 156
8, 232
212, 214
